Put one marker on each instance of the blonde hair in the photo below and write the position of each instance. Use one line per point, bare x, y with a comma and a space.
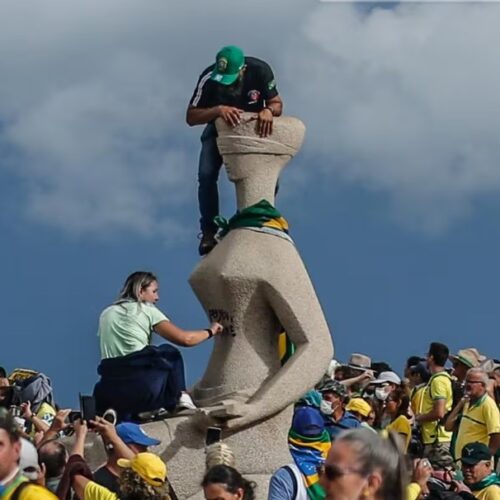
134, 285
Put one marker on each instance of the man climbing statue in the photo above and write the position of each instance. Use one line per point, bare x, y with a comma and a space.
230, 86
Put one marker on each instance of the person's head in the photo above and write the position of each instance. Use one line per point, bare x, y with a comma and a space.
397, 403
476, 383
308, 421
334, 395
463, 360
222, 482
411, 362
229, 66
143, 477
53, 455
364, 465
437, 355
476, 462
3, 372
10, 445
28, 460
385, 384
6, 392
360, 409
141, 286
135, 437
419, 374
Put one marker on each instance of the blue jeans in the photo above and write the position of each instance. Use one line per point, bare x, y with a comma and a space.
208, 175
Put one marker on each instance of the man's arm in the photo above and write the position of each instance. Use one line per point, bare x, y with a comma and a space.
451, 421
494, 443
275, 104
200, 116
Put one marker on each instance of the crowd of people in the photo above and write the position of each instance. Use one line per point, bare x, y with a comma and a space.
364, 432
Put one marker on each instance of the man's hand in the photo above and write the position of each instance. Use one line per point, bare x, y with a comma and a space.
26, 412
104, 428
265, 122
81, 429
230, 114
59, 423
422, 471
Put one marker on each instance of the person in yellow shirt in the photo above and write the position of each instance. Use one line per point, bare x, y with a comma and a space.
419, 376
478, 414
477, 470
436, 403
144, 476
397, 406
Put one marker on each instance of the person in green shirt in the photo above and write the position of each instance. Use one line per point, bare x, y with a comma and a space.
137, 377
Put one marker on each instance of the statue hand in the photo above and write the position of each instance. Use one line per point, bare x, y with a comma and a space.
237, 414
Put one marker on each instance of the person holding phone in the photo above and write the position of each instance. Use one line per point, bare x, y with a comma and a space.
136, 376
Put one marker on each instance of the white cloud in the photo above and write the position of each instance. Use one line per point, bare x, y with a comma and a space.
93, 94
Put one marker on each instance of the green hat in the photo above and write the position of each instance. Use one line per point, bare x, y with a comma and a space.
228, 64
473, 453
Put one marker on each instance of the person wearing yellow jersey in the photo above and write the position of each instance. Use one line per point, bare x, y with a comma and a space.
144, 476
436, 403
397, 406
478, 414
419, 376
13, 484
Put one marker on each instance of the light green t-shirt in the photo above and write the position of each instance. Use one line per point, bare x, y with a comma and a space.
126, 328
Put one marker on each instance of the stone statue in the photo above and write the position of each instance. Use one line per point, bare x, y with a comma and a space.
254, 283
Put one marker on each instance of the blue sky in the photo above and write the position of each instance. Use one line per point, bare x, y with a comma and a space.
393, 200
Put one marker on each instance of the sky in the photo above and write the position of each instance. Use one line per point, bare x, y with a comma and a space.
393, 201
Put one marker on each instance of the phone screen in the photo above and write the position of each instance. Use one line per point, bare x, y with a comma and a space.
87, 407
213, 435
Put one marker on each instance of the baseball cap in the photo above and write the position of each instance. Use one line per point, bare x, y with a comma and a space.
474, 453
422, 370
228, 64
333, 386
360, 406
28, 460
148, 466
131, 433
469, 357
387, 378
307, 421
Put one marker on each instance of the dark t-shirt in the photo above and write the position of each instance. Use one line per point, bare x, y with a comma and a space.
250, 94
106, 478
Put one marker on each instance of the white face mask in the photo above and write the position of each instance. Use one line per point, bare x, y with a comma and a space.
325, 407
381, 393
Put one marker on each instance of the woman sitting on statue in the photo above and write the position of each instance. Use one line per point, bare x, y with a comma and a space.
138, 377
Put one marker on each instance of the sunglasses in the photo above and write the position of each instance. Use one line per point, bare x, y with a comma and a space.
332, 471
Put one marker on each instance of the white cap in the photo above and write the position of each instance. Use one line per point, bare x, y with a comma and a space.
387, 378
28, 460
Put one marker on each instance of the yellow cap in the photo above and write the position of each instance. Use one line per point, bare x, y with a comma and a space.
148, 466
359, 406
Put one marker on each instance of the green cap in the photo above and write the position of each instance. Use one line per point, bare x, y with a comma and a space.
228, 64
473, 453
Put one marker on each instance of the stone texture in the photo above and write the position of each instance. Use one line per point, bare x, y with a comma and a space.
253, 283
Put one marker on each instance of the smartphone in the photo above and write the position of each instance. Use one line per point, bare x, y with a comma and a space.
213, 435
74, 416
87, 407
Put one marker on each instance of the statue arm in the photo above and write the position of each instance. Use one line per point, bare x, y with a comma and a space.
297, 308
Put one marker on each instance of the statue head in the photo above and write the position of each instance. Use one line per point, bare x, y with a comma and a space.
247, 155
